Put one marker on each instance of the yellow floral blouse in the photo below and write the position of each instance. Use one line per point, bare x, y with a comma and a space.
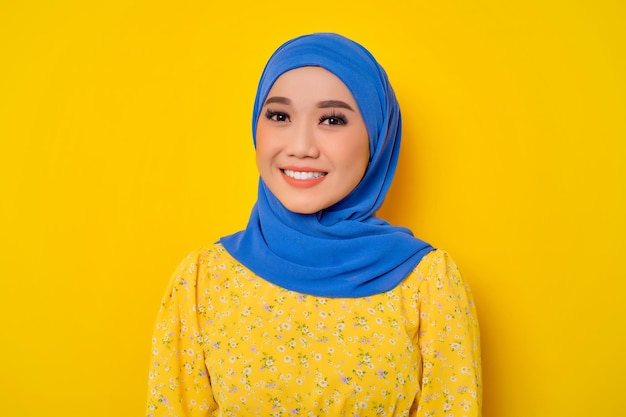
228, 343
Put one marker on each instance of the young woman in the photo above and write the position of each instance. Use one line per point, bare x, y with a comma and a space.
318, 307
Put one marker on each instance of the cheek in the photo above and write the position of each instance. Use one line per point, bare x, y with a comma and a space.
262, 145
266, 134
353, 158
361, 151
267, 149
262, 158
260, 136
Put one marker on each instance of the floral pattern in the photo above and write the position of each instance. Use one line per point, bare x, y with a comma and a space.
228, 343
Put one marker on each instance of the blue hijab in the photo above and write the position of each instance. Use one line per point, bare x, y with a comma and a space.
343, 250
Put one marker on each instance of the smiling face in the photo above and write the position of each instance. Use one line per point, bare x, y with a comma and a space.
312, 146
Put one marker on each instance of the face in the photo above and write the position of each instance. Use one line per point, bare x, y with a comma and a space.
312, 146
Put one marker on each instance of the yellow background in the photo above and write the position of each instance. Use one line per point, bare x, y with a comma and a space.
125, 143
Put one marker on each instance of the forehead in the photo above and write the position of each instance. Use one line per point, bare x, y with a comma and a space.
310, 82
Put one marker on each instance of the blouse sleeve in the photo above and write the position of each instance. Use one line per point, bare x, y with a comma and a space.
449, 341
179, 383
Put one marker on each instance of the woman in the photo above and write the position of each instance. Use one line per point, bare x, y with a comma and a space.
318, 307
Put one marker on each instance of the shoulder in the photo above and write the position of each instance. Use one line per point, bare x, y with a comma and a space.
437, 269
435, 263
212, 264
206, 256
198, 263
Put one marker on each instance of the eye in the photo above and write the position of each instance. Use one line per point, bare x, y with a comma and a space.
333, 119
276, 116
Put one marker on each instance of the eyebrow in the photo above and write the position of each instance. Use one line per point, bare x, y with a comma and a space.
322, 104
334, 103
279, 100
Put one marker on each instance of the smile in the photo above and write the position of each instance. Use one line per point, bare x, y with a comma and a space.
303, 175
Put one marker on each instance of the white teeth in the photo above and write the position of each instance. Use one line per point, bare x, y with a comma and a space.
303, 175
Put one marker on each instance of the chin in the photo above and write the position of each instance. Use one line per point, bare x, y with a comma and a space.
302, 209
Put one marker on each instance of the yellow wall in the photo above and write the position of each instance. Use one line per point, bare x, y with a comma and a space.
125, 143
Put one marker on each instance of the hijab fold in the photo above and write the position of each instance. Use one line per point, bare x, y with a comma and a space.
343, 250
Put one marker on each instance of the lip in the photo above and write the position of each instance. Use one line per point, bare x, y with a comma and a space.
302, 183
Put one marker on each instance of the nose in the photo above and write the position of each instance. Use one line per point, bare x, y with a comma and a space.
303, 143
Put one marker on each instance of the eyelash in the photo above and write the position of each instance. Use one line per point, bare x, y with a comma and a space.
271, 115
339, 118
